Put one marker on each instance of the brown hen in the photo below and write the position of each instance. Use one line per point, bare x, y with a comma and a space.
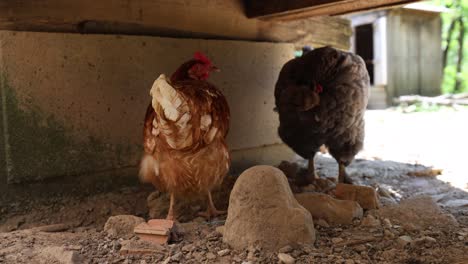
184, 134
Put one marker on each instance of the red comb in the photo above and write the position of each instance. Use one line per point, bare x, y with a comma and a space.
201, 57
318, 88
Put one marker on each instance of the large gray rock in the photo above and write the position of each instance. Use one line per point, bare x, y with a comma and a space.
418, 213
122, 225
263, 211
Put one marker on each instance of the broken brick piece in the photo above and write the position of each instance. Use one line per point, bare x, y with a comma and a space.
156, 231
132, 247
364, 195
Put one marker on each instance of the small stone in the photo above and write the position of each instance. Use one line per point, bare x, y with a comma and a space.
388, 234
309, 188
336, 240
370, 221
418, 213
224, 252
188, 248
131, 247
197, 255
333, 211
220, 229
285, 249
199, 219
383, 192
286, 258
424, 241
349, 261
176, 257
322, 223
387, 223
390, 254
61, 255
404, 240
167, 260
360, 248
210, 256
461, 238
122, 225
364, 195
296, 253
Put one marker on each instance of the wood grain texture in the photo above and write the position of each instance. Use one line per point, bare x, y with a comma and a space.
219, 19
296, 9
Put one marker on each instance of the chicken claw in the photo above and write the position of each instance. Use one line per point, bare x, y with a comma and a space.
211, 210
311, 172
342, 176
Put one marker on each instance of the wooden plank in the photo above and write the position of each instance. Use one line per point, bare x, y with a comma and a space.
213, 19
430, 55
223, 19
315, 31
296, 9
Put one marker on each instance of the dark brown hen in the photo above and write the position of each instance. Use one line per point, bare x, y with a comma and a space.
321, 98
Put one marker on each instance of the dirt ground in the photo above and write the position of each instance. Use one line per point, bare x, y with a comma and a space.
396, 145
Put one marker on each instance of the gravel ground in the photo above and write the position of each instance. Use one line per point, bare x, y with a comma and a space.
432, 139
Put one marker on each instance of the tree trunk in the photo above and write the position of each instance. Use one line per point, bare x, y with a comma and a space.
449, 39
461, 42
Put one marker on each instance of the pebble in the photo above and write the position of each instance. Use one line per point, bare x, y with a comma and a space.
210, 256
187, 248
387, 223
370, 221
425, 240
220, 229
404, 240
167, 260
349, 261
224, 252
285, 249
177, 256
360, 248
336, 240
389, 234
286, 258
322, 223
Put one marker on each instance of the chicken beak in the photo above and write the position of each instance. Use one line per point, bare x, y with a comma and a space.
215, 69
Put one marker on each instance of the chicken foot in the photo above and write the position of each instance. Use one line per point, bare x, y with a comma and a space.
211, 210
312, 173
342, 176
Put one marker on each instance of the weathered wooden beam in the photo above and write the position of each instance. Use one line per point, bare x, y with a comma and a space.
296, 9
314, 31
221, 19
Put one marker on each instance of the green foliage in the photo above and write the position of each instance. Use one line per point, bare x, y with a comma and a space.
459, 13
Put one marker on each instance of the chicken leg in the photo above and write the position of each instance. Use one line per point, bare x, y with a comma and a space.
312, 174
170, 213
342, 176
211, 210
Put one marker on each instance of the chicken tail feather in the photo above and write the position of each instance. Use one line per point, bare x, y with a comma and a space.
149, 169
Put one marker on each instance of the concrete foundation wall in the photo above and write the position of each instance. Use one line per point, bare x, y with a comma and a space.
74, 104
